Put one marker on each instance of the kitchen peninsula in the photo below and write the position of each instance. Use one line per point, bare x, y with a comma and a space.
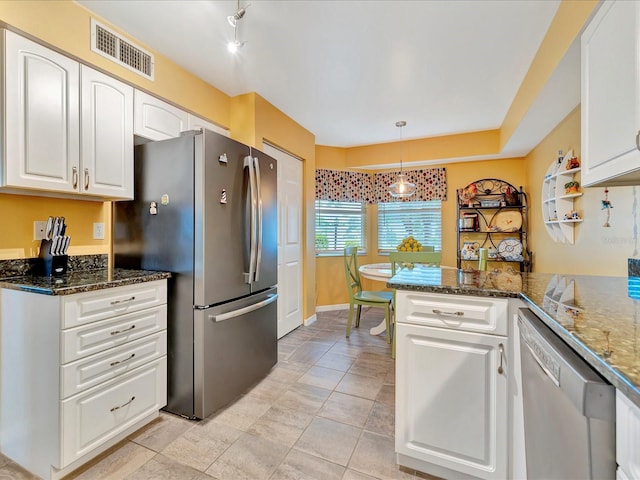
597, 317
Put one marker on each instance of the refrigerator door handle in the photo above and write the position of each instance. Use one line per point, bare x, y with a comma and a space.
248, 162
244, 310
256, 165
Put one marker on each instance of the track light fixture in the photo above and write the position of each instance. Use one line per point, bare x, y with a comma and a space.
402, 187
233, 19
234, 45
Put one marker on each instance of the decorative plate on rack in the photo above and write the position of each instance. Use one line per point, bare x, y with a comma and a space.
510, 249
508, 221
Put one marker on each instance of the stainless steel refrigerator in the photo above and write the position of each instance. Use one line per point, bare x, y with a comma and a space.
205, 210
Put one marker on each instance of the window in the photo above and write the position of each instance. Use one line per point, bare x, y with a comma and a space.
397, 220
339, 225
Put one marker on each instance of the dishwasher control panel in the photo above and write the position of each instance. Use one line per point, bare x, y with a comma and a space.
541, 354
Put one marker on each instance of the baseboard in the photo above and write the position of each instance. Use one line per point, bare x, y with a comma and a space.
330, 308
310, 320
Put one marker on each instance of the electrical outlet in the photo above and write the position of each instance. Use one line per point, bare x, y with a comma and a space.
98, 231
38, 230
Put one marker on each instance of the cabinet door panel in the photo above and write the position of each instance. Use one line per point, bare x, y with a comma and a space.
610, 94
98, 414
43, 126
157, 120
107, 136
451, 402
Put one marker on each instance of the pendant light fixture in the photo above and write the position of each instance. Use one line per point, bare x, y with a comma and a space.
402, 187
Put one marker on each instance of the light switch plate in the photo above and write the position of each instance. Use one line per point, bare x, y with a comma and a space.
98, 231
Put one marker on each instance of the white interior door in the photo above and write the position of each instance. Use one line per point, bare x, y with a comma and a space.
289, 240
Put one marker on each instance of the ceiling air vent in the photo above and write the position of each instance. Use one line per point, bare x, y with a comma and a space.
112, 45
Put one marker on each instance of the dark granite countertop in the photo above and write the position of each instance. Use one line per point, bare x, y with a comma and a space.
599, 317
80, 281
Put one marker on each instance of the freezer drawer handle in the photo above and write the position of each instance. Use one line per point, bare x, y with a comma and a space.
116, 332
440, 312
241, 311
123, 405
118, 362
116, 302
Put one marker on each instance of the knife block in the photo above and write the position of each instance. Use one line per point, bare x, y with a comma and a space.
49, 265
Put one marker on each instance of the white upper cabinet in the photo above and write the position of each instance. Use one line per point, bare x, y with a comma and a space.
611, 96
42, 126
68, 129
107, 135
155, 119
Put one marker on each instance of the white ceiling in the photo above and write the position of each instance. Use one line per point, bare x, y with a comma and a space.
348, 70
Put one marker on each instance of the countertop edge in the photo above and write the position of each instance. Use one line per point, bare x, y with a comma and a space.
137, 277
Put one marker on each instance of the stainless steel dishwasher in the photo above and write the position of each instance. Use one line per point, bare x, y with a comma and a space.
569, 409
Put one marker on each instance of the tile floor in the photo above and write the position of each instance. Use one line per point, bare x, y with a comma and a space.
326, 411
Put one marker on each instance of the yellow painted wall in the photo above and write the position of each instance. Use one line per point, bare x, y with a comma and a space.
598, 250
18, 212
448, 146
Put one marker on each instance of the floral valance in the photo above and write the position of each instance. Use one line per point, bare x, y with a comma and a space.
431, 184
342, 186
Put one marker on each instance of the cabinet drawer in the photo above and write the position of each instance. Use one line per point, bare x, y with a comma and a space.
100, 413
90, 371
100, 336
458, 312
89, 307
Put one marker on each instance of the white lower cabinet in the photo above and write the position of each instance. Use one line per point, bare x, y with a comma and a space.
627, 437
79, 372
451, 385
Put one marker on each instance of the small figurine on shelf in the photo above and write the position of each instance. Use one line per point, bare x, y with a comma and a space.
572, 215
572, 163
571, 187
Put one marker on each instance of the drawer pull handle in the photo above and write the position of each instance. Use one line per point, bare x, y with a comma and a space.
118, 362
123, 405
116, 302
440, 312
501, 351
116, 332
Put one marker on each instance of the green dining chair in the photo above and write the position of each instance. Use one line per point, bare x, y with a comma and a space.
430, 258
360, 297
399, 259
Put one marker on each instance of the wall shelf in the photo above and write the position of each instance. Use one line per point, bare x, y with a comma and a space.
556, 203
